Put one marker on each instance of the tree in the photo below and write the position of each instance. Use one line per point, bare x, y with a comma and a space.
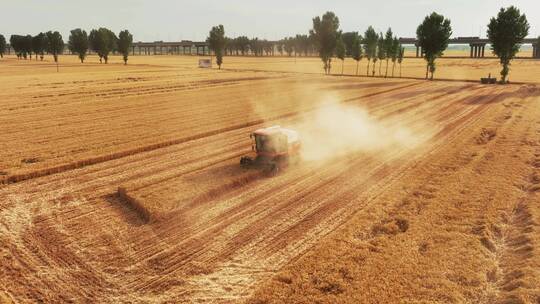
370, 46
94, 42
27, 41
14, 41
289, 46
255, 46
39, 45
349, 38
388, 48
78, 43
356, 51
2, 45
243, 44
325, 33
506, 33
400, 57
55, 44
103, 41
22, 45
269, 48
125, 41
395, 49
216, 40
302, 44
381, 52
340, 52
280, 47
433, 35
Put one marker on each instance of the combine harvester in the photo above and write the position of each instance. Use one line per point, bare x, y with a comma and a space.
276, 149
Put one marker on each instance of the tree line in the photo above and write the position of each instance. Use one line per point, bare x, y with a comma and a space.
102, 41
505, 32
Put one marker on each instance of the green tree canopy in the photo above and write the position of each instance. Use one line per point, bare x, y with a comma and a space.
27, 45
255, 45
302, 44
325, 32
103, 41
78, 43
349, 38
216, 40
395, 49
388, 47
2, 46
340, 51
55, 44
39, 44
243, 44
433, 35
381, 51
370, 45
125, 41
506, 33
356, 51
289, 45
15, 42
22, 45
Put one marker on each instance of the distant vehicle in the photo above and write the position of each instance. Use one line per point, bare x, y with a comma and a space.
276, 148
488, 80
205, 63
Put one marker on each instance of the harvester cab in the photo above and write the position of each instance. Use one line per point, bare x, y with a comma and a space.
275, 149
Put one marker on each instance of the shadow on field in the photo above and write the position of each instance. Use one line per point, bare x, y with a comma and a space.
523, 91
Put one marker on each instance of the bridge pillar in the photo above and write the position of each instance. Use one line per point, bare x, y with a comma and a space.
536, 51
483, 50
471, 46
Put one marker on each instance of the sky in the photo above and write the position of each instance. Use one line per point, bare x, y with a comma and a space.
174, 20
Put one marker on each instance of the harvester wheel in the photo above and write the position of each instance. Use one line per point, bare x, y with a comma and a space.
273, 169
246, 161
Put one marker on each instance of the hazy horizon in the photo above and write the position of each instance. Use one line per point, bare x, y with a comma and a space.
170, 20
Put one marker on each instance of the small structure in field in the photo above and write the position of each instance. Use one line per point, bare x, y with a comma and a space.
205, 63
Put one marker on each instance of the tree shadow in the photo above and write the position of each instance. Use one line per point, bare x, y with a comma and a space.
524, 91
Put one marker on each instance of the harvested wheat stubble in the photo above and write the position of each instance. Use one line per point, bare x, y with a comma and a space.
423, 222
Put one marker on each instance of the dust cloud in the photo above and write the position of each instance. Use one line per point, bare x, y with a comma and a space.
335, 129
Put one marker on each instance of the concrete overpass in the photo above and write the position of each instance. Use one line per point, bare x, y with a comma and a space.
477, 45
184, 47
